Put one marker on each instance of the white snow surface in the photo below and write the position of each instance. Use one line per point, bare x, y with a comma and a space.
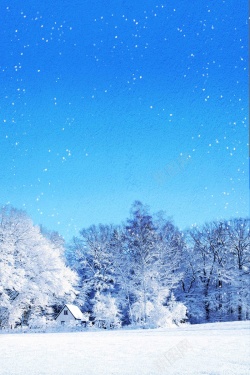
205, 349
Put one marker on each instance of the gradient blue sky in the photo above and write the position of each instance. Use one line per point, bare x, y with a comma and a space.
103, 103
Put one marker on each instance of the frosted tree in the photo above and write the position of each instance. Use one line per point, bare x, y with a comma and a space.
105, 311
238, 232
189, 290
209, 264
123, 290
143, 257
161, 312
56, 240
171, 245
153, 251
94, 263
33, 276
177, 310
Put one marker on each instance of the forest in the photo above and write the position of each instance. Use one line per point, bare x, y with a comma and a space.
143, 273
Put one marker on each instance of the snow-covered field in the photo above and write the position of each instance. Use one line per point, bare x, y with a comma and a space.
206, 349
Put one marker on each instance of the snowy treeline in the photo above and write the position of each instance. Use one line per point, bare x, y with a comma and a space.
216, 278
129, 274
144, 273
148, 273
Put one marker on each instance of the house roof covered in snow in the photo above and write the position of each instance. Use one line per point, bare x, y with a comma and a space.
76, 312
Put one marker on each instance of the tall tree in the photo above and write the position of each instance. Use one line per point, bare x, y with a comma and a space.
209, 265
94, 264
141, 247
238, 232
153, 258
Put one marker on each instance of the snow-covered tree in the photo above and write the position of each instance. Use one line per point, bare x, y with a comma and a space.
172, 248
209, 271
153, 248
94, 264
33, 276
238, 231
105, 311
142, 252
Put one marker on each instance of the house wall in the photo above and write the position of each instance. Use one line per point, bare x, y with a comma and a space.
66, 318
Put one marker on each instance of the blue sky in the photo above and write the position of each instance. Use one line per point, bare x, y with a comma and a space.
107, 102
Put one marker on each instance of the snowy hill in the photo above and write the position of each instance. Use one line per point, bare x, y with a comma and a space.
205, 349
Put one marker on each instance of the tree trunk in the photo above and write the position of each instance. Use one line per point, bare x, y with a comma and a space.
207, 309
239, 312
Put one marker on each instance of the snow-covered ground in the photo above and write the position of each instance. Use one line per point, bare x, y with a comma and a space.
206, 349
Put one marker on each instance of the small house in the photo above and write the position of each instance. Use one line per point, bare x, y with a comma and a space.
72, 313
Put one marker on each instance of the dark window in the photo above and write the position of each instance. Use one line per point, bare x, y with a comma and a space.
65, 312
62, 322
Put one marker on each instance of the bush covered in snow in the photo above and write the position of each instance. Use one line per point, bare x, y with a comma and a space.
106, 312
